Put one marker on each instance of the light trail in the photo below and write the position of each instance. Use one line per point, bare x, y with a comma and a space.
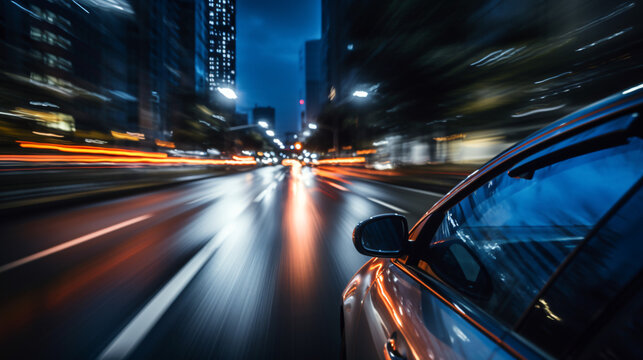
347, 160
90, 149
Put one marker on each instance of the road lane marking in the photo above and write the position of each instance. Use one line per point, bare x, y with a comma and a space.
265, 192
138, 328
205, 198
71, 243
337, 186
425, 192
385, 204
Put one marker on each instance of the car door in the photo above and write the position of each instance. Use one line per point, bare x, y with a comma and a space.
478, 264
406, 320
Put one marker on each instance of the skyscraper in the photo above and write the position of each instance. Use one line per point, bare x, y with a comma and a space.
66, 64
315, 89
221, 43
193, 32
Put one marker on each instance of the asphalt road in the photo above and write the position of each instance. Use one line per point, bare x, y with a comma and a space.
250, 265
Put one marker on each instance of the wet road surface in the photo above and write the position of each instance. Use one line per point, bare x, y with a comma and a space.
250, 265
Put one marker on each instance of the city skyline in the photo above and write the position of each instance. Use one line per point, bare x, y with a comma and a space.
268, 61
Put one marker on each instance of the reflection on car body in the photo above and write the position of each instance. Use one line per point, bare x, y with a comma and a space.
535, 255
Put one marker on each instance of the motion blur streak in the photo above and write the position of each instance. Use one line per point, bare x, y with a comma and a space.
336, 186
348, 160
330, 175
90, 149
290, 162
270, 288
301, 226
106, 159
138, 328
71, 243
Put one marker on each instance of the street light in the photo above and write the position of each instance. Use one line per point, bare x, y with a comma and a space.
270, 133
360, 94
263, 124
312, 126
227, 92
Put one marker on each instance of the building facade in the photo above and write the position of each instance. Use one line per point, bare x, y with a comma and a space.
65, 65
315, 84
221, 44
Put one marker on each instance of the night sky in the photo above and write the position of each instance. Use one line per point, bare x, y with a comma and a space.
270, 35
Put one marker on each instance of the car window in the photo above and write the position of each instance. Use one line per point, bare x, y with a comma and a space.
621, 337
518, 230
585, 291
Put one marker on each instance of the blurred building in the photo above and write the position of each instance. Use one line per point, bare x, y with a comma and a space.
239, 119
335, 46
440, 90
264, 113
65, 65
158, 47
147, 67
221, 43
193, 58
315, 84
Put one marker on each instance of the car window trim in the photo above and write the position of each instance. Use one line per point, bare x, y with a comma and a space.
504, 162
468, 186
588, 146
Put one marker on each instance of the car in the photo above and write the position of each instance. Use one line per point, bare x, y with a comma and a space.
535, 255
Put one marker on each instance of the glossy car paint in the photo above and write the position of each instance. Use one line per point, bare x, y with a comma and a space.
385, 301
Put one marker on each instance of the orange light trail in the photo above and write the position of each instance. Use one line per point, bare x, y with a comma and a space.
290, 162
90, 149
337, 161
167, 144
366, 152
114, 155
123, 159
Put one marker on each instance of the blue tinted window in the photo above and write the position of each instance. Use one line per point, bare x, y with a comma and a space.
519, 230
605, 265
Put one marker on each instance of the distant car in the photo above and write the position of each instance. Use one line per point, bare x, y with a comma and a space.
538, 254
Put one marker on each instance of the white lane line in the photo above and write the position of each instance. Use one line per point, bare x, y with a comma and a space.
337, 186
71, 243
425, 192
282, 176
132, 335
265, 192
205, 198
385, 204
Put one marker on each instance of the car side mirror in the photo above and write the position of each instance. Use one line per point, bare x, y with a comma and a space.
383, 236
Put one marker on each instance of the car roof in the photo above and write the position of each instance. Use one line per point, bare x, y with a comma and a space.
621, 101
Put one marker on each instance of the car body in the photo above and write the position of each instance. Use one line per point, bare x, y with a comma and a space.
534, 255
